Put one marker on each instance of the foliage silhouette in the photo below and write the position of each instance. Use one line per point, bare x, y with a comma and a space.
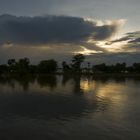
23, 66
77, 61
47, 66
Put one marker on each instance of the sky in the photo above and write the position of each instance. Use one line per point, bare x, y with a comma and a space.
103, 30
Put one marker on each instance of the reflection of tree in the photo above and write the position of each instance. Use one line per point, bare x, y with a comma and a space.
49, 80
23, 81
77, 86
66, 78
52, 105
76, 82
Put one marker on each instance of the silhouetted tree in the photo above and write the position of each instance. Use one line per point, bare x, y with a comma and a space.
88, 65
65, 66
33, 69
77, 61
100, 68
22, 66
47, 66
130, 69
11, 62
12, 65
136, 67
120, 68
3, 69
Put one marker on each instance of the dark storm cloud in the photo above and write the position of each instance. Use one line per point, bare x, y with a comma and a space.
49, 29
105, 31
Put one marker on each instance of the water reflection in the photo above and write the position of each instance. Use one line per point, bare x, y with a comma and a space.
70, 106
47, 81
40, 96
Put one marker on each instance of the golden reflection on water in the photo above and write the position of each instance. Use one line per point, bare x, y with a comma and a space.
98, 93
108, 90
87, 86
84, 106
111, 94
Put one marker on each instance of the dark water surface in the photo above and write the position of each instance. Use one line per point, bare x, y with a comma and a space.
55, 108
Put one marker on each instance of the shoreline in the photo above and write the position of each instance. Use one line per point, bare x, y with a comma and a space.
119, 75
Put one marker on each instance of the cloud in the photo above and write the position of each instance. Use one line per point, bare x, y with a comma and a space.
133, 37
137, 40
130, 42
86, 51
126, 38
107, 29
59, 37
50, 29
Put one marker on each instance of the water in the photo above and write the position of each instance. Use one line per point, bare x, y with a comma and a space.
79, 108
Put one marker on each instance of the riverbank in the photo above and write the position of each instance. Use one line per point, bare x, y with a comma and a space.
96, 75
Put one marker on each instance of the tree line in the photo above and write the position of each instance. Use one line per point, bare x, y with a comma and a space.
23, 66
